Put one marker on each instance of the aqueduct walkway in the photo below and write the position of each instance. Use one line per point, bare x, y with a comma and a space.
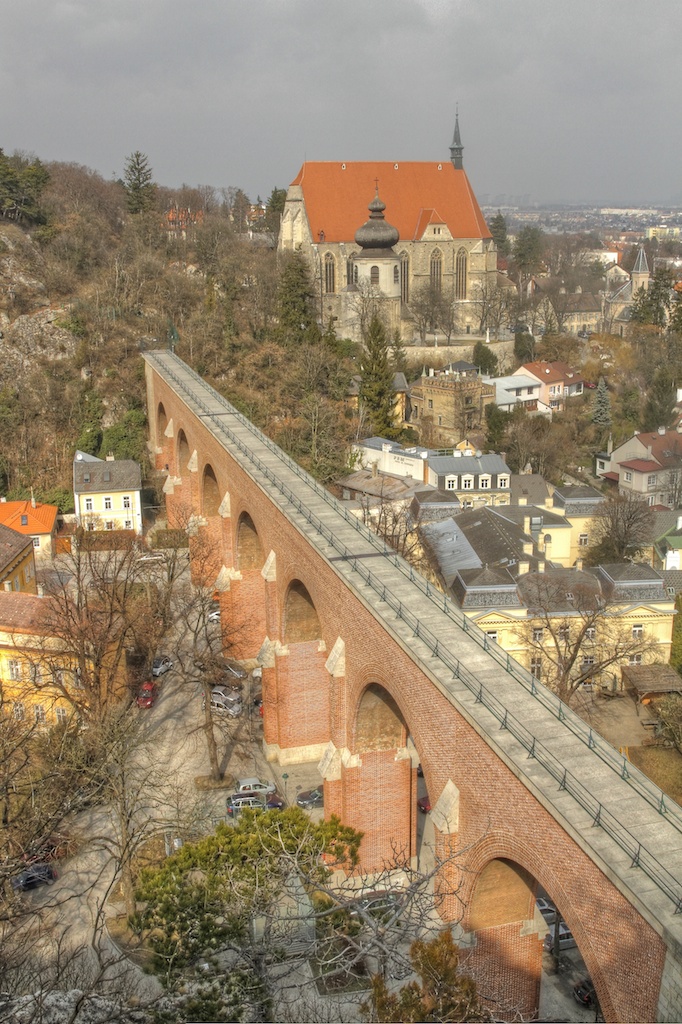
522, 784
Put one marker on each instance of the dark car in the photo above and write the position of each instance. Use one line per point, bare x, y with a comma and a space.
584, 993
161, 664
146, 695
311, 798
424, 804
420, 771
34, 876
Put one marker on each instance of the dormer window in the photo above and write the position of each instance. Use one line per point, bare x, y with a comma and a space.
86, 478
107, 476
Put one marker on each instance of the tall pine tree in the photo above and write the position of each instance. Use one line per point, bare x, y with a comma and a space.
377, 394
601, 406
295, 298
138, 182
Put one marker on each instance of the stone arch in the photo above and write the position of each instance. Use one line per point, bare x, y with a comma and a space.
184, 453
250, 553
161, 423
210, 492
379, 723
301, 621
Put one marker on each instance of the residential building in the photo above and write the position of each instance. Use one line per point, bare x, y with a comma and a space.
17, 562
442, 240
580, 504
464, 473
558, 382
646, 465
450, 405
40, 674
518, 389
35, 520
528, 617
107, 493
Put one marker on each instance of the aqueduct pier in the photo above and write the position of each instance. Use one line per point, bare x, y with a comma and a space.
369, 670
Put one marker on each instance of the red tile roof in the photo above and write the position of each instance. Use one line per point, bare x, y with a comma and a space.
41, 519
553, 372
23, 613
640, 465
337, 195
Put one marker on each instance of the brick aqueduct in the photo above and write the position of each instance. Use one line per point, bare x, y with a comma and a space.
369, 671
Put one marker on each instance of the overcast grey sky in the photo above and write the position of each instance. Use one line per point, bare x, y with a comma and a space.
565, 101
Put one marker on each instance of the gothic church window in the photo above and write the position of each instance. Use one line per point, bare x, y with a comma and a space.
329, 273
404, 277
396, 275
436, 270
461, 275
351, 271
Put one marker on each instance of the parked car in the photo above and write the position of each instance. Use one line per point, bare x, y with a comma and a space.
225, 702
420, 771
424, 804
547, 909
161, 665
34, 876
584, 993
214, 616
146, 695
311, 798
256, 786
566, 940
239, 801
234, 671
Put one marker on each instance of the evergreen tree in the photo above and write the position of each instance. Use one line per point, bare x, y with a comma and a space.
485, 359
274, 209
498, 230
653, 305
21, 186
138, 182
527, 251
398, 354
601, 406
659, 408
377, 395
442, 993
295, 297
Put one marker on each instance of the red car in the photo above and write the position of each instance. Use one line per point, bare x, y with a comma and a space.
146, 695
424, 804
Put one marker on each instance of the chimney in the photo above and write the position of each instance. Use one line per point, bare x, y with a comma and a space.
661, 431
523, 568
33, 500
523, 501
579, 564
110, 457
8, 585
526, 524
679, 521
528, 547
541, 566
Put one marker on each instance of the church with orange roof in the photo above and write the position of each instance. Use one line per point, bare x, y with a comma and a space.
438, 237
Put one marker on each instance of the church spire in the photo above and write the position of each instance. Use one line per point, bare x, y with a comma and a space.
456, 149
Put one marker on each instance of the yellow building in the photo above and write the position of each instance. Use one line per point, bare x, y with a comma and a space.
17, 562
107, 493
573, 628
41, 677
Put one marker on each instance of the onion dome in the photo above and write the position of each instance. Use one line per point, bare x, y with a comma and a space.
376, 234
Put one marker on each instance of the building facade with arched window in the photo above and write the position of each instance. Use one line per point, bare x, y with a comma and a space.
444, 241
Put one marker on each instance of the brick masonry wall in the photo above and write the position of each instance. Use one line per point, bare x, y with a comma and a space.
499, 819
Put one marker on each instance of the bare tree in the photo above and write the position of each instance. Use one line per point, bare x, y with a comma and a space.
622, 526
575, 632
394, 522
